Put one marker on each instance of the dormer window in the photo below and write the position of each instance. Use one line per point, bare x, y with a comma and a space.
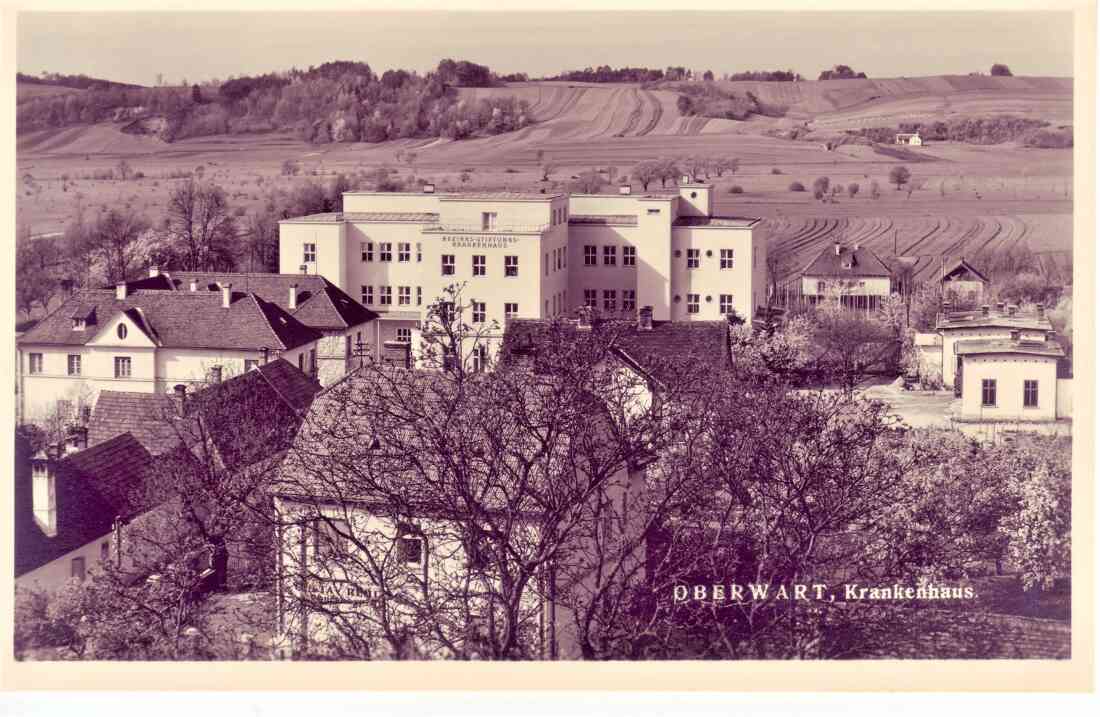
79, 323
846, 265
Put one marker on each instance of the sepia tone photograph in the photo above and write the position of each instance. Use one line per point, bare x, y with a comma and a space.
543, 338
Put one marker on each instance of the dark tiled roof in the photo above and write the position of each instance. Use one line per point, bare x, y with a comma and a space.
320, 303
667, 344
142, 415
280, 388
93, 487
741, 222
1008, 346
178, 320
863, 262
625, 220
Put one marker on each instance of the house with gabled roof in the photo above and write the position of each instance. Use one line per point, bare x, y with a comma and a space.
963, 282
855, 273
147, 340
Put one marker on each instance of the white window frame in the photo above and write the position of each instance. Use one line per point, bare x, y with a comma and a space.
725, 260
120, 363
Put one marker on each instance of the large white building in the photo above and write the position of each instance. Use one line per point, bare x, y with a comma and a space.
532, 255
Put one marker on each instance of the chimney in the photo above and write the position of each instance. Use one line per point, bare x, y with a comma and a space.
985, 309
77, 439
1000, 307
194, 285
154, 271
429, 189
227, 295
836, 248
645, 318
44, 491
179, 397
292, 299
624, 189
120, 290
1012, 309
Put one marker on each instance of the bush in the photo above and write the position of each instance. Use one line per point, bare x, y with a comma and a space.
796, 187
818, 194
777, 170
736, 189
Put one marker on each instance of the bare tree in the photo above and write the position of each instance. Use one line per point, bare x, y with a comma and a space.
114, 240
199, 229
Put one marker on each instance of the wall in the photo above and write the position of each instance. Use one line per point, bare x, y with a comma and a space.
460, 212
872, 285
1009, 371
390, 202
1065, 398
710, 280
42, 391
57, 572
193, 365
331, 241
394, 273
601, 277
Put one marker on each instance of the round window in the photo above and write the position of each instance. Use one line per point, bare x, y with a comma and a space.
694, 195
122, 331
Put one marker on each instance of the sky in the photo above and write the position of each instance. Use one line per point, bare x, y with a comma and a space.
136, 47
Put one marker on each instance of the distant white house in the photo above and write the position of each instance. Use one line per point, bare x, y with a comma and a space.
912, 139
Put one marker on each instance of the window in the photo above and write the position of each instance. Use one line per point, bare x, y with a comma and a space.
609, 256
629, 255
250, 364
725, 303
79, 324
309, 253
628, 299
1031, 394
546, 265
105, 551
480, 358
590, 298
409, 545
589, 255
821, 287
693, 303
448, 264
609, 299
74, 364
385, 295
754, 257
693, 258
404, 295
511, 266
725, 259
366, 250
404, 335
419, 254
403, 252
366, 294
989, 392
77, 570
347, 349
653, 211
122, 331
511, 310
302, 362
488, 220
419, 295
122, 367
330, 537
557, 258
478, 311
385, 251
479, 265
313, 361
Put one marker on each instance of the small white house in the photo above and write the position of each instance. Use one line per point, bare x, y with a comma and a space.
907, 138
1014, 380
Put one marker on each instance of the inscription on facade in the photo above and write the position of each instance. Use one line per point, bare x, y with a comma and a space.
479, 242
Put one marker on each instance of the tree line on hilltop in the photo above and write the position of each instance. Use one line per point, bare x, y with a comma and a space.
335, 102
977, 130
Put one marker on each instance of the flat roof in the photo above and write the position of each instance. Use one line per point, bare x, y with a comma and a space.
469, 196
623, 220
340, 217
716, 221
1008, 346
973, 320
